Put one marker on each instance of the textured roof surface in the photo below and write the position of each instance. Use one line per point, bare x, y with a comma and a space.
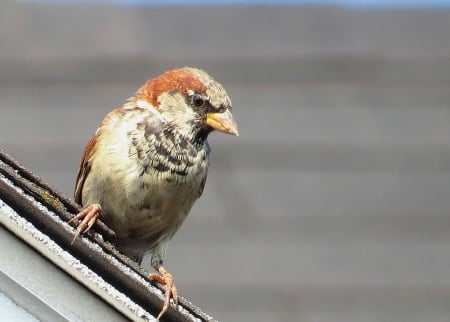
36, 214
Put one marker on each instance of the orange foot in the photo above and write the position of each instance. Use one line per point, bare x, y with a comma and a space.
88, 216
171, 291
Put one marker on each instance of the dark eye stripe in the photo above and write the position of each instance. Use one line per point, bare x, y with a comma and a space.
203, 103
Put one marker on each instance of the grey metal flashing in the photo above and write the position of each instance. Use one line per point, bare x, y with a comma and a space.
38, 215
41, 288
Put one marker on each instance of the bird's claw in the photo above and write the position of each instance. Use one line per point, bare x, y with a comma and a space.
88, 216
165, 279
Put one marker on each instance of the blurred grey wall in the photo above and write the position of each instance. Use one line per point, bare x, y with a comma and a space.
334, 202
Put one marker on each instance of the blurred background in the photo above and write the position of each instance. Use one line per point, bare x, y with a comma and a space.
333, 204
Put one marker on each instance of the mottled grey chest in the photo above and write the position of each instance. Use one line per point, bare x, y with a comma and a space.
167, 155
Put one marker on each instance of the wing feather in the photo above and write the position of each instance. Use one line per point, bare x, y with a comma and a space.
85, 167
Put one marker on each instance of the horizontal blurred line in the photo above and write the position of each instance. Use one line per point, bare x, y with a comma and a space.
334, 157
333, 231
351, 298
317, 69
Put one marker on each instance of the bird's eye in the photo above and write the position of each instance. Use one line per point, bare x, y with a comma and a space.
198, 101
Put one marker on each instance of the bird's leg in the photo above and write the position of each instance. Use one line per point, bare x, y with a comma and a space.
165, 279
88, 216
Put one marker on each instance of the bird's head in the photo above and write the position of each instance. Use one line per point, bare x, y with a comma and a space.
190, 100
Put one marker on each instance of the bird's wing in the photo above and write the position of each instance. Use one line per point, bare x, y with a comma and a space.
89, 150
85, 167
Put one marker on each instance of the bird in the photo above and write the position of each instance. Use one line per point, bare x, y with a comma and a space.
147, 164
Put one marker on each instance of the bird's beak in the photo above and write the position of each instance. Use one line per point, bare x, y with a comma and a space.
222, 122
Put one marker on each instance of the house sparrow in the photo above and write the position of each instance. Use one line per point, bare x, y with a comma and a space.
147, 163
